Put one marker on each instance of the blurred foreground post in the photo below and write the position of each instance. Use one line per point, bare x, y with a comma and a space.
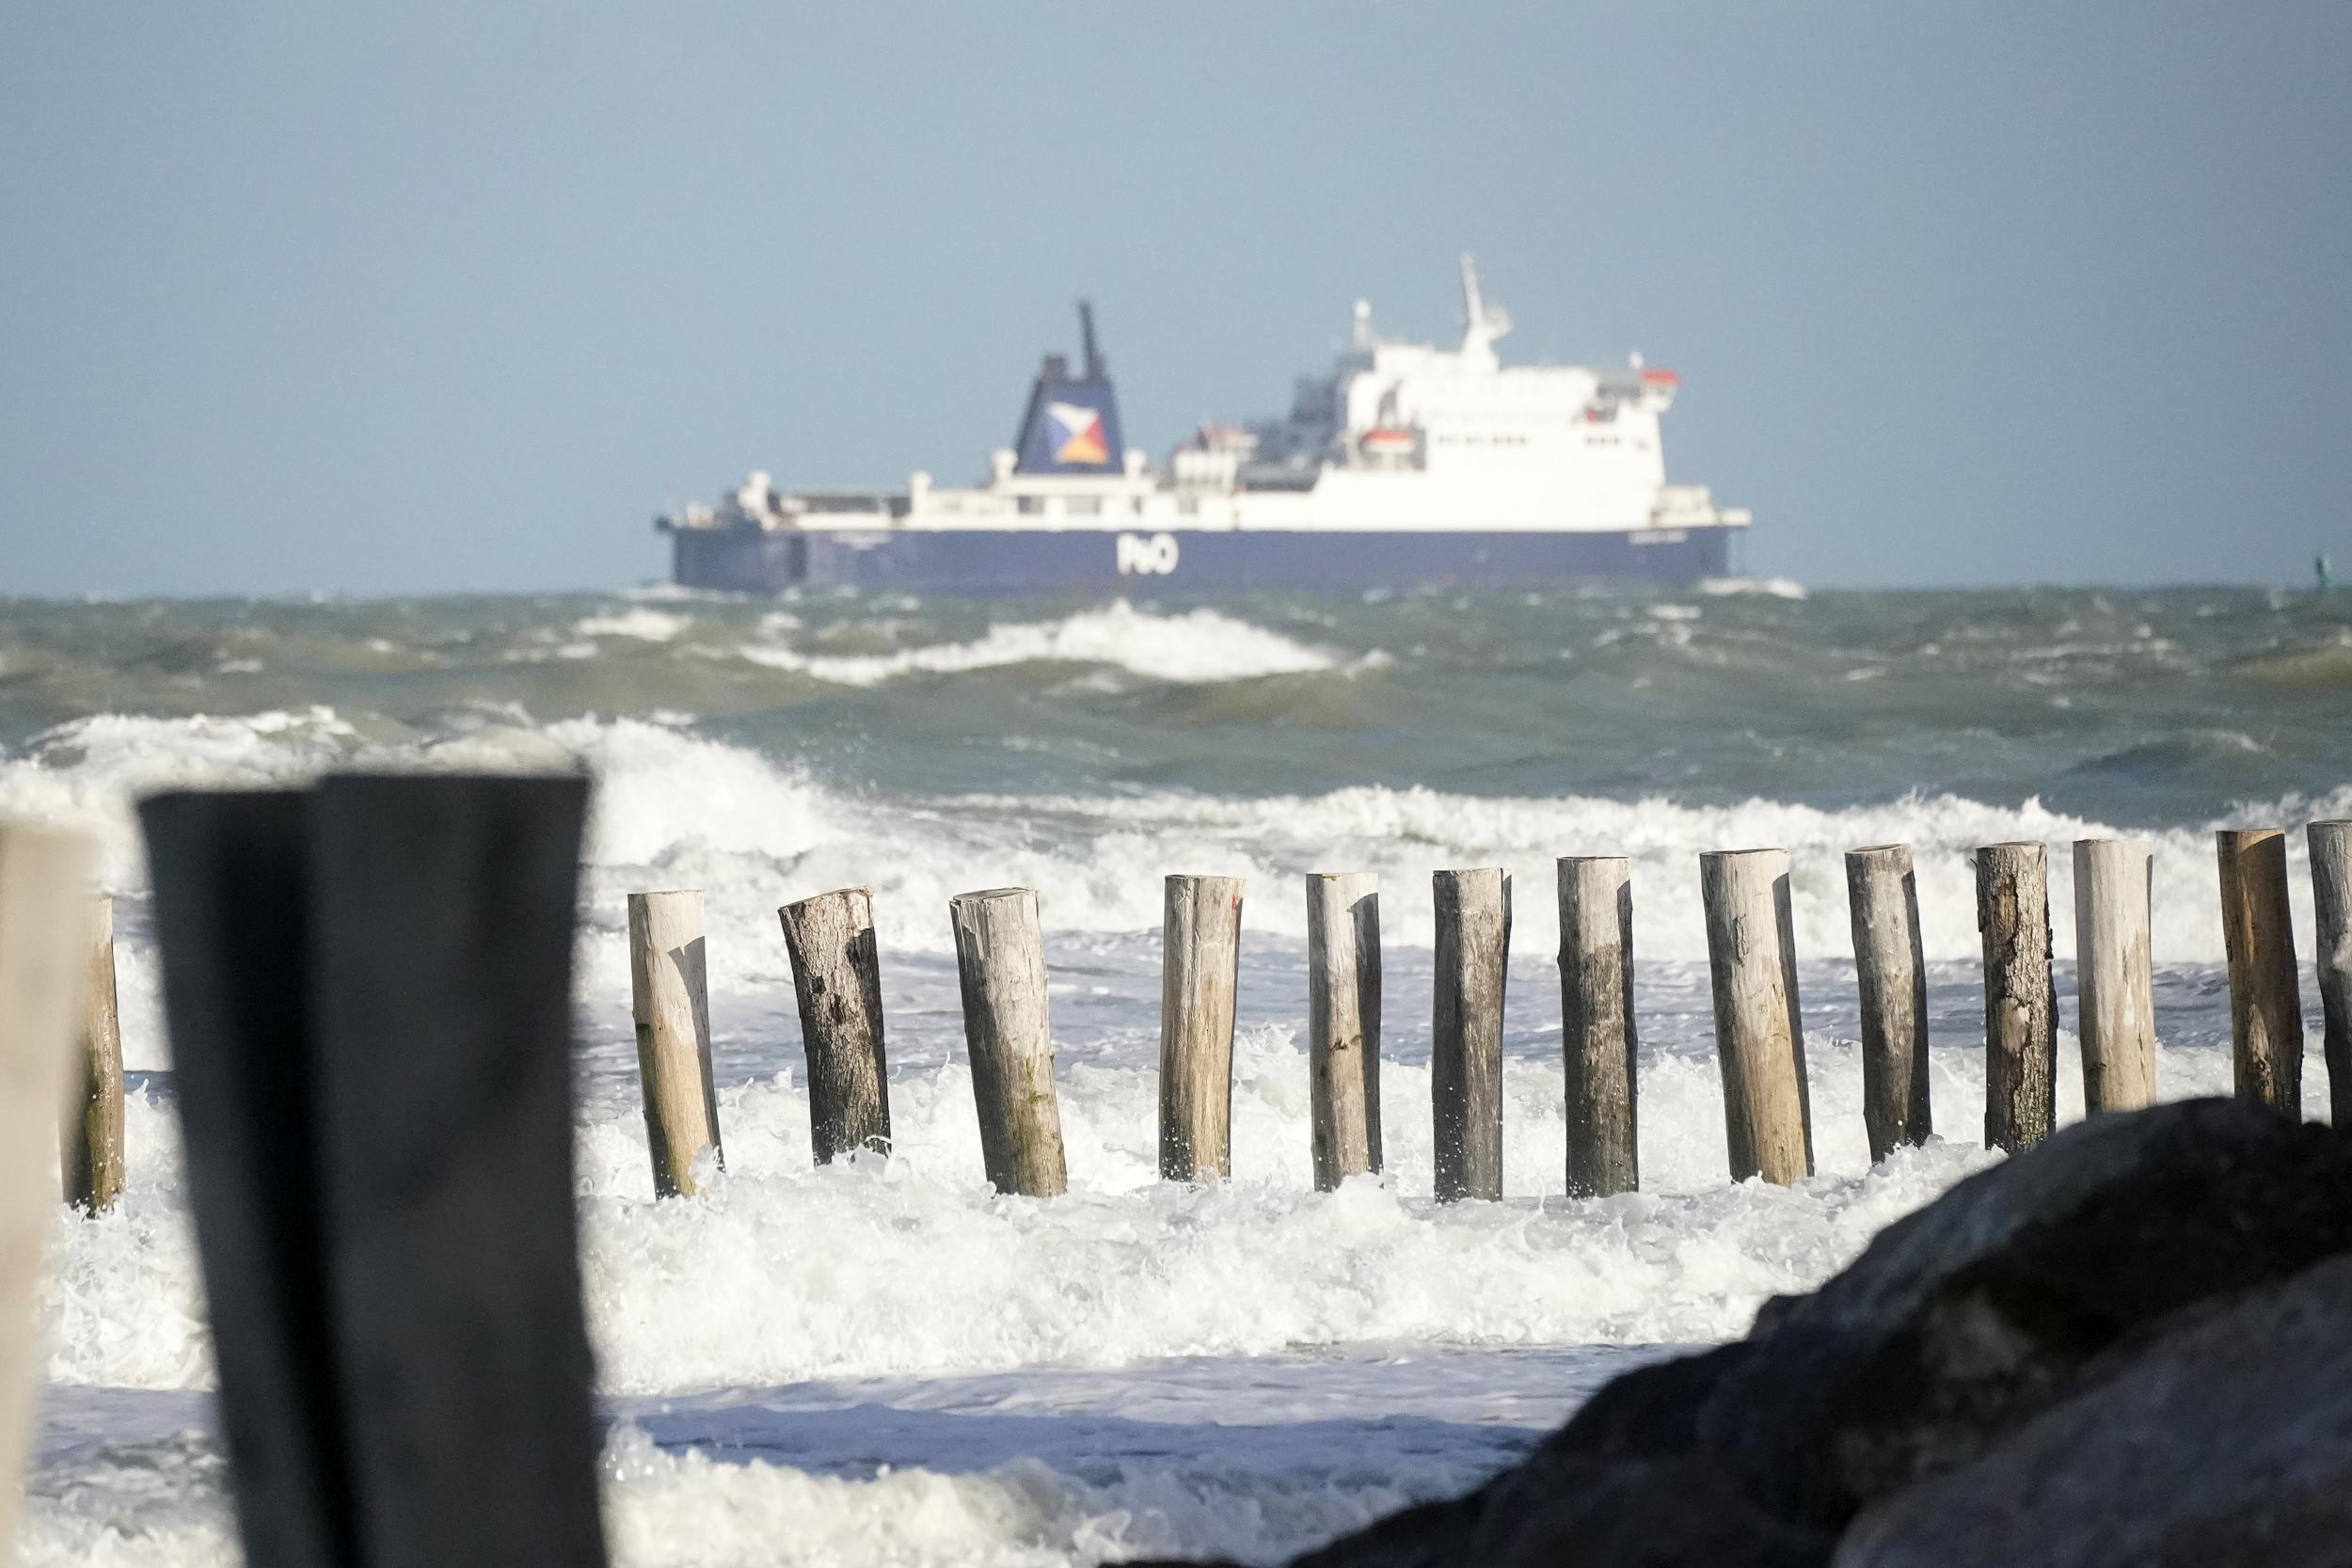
1760, 1036
836, 978
2331, 898
2114, 973
2258, 932
669, 996
1000, 960
2020, 996
90, 1144
369, 990
1473, 914
1199, 965
1343, 1024
1596, 1023
1883, 899
40, 974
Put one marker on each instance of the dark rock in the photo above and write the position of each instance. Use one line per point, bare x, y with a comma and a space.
2227, 1442
1964, 1318
2025, 1287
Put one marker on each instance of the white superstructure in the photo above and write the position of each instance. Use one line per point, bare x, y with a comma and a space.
1397, 437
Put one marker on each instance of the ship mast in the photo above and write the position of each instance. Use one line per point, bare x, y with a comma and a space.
1086, 335
1482, 323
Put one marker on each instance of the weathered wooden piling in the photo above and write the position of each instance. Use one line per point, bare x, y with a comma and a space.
836, 978
1891, 974
89, 1145
1473, 914
41, 876
2020, 996
2331, 897
2115, 973
669, 993
1200, 968
1343, 1024
1759, 1035
1000, 960
1597, 1032
2258, 932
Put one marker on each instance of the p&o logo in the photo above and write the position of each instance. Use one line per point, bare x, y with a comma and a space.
1147, 554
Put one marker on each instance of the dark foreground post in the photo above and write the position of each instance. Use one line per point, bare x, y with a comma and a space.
1596, 1023
836, 978
1759, 1035
2020, 996
1343, 1024
1882, 897
1000, 960
41, 964
91, 1146
1473, 913
669, 998
2115, 973
1199, 965
2331, 896
369, 991
2258, 931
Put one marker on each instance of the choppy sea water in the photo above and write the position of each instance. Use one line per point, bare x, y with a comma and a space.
887, 1362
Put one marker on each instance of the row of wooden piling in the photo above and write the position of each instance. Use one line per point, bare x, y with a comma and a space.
1760, 1036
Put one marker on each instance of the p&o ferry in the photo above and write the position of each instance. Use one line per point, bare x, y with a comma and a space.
1407, 465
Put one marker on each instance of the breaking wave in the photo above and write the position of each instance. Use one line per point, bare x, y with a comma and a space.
1200, 645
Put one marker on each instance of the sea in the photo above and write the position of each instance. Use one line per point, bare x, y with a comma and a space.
882, 1361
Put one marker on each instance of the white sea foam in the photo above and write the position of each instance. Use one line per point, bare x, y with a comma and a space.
637, 622
1776, 588
1198, 646
782, 1272
683, 809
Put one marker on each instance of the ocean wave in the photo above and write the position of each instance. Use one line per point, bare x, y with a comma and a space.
686, 810
636, 623
1198, 646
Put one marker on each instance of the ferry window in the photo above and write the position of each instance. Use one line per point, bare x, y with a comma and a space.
1083, 506
1189, 506
1032, 504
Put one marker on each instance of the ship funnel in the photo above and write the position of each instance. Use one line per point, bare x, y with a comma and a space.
1071, 426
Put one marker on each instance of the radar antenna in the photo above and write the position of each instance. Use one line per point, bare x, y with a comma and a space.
1482, 323
1086, 335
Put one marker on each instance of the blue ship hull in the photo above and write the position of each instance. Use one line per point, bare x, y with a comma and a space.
1032, 561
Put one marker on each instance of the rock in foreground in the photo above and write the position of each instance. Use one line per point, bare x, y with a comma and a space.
2132, 1344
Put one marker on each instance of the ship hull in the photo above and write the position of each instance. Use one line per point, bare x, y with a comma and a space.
1045, 561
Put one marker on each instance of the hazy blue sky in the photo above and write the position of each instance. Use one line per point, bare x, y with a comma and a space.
454, 295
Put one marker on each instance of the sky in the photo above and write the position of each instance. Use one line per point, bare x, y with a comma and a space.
457, 296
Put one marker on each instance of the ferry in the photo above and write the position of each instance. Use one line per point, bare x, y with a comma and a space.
1406, 465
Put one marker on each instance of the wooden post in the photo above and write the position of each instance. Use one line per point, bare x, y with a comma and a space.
1883, 899
1596, 1024
1343, 1024
836, 978
1759, 1035
1473, 911
1200, 966
2020, 996
91, 1144
1000, 960
369, 986
2112, 908
2265, 1004
669, 995
2331, 897
41, 959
